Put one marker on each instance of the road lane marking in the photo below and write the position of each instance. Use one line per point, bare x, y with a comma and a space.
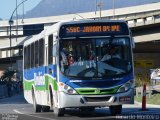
16, 111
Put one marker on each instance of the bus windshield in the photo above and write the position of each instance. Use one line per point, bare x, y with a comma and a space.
95, 57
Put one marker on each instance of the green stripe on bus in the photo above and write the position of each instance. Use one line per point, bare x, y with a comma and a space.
48, 80
27, 85
52, 81
97, 91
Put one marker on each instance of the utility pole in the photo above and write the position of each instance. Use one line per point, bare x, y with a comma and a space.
10, 38
113, 9
100, 4
16, 20
95, 7
23, 12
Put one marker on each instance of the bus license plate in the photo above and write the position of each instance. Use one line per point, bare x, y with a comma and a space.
124, 98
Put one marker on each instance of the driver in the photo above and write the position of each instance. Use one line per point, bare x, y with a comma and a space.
106, 56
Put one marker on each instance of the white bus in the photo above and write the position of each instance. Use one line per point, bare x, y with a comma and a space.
65, 67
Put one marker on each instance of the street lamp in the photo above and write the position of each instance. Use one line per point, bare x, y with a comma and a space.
10, 27
100, 4
10, 37
17, 8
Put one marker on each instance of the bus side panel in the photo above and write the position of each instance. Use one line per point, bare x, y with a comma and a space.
28, 82
41, 86
40, 79
51, 78
34, 79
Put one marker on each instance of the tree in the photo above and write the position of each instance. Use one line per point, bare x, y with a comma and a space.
8, 74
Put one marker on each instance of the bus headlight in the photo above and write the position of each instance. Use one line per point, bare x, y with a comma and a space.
67, 89
125, 87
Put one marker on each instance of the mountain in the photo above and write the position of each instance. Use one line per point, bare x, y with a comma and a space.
61, 7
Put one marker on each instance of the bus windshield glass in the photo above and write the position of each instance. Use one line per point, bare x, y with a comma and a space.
95, 57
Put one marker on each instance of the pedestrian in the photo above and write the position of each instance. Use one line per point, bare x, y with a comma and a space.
9, 87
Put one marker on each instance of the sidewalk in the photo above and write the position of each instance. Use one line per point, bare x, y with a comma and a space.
148, 105
3, 91
15, 99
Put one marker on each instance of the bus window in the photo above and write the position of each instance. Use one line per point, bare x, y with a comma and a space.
41, 51
28, 57
32, 55
50, 47
54, 50
25, 57
36, 54
97, 57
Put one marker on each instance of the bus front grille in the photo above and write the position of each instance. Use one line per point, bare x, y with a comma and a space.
95, 91
97, 99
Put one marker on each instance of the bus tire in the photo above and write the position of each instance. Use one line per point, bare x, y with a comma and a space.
37, 108
58, 111
45, 108
115, 109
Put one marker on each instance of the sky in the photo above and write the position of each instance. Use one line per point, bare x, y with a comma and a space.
7, 7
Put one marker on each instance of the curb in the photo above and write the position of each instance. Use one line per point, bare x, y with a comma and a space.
148, 105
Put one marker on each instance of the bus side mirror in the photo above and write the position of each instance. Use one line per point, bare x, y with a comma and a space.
133, 43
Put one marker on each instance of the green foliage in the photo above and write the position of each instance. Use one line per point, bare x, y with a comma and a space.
154, 99
142, 79
8, 74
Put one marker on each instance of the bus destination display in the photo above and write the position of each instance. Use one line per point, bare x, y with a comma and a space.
82, 30
90, 29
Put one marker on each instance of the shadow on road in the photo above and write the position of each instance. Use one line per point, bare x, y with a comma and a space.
104, 114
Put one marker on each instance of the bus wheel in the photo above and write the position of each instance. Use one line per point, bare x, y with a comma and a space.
58, 111
45, 108
37, 108
115, 109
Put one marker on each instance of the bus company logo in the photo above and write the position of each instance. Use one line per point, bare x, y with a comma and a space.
117, 78
97, 90
39, 79
75, 81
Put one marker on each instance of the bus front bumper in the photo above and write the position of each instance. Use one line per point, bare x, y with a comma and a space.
69, 101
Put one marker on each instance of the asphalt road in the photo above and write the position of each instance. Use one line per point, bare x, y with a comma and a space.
16, 108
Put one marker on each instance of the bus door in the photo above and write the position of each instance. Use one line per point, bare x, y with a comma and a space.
51, 68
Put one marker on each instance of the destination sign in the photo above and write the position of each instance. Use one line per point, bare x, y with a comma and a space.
93, 29
89, 29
